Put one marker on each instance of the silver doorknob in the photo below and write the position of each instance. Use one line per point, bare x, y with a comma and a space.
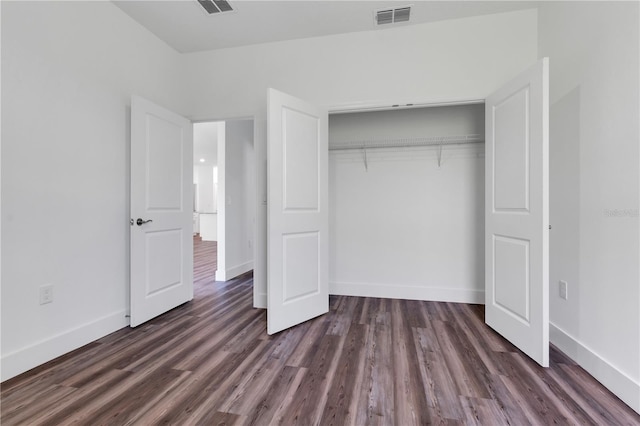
141, 222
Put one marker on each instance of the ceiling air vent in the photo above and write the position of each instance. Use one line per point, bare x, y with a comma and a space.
215, 6
392, 16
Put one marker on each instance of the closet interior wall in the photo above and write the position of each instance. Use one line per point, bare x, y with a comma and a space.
407, 221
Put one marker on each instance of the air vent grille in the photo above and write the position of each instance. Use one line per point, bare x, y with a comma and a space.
392, 16
385, 17
223, 5
402, 15
215, 6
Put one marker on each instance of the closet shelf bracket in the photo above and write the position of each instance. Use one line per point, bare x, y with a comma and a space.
366, 162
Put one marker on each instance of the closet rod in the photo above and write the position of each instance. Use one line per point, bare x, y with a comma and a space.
407, 143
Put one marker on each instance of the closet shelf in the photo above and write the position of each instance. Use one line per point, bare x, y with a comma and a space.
407, 143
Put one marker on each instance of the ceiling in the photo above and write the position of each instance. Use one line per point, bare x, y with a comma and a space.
184, 25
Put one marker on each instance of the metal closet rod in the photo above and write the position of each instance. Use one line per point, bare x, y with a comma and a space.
406, 143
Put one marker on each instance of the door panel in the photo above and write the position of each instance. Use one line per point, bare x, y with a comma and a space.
300, 268
301, 157
162, 193
164, 166
517, 212
298, 218
163, 262
512, 286
511, 153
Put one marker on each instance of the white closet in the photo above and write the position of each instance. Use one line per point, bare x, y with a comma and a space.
407, 203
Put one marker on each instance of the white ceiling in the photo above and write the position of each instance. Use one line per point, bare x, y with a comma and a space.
184, 25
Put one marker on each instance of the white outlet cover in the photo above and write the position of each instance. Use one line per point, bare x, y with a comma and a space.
563, 289
46, 294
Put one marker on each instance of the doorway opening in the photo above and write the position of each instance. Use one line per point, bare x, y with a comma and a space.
206, 137
224, 197
406, 191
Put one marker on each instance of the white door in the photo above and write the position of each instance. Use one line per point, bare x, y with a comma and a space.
517, 212
298, 221
161, 210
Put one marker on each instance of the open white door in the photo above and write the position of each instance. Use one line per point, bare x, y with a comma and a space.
298, 220
161, 210
517, 212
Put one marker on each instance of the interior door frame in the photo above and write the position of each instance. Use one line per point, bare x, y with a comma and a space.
381, 106
257, 204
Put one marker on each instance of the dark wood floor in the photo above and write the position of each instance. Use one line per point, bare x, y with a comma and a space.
369, 361
205, 260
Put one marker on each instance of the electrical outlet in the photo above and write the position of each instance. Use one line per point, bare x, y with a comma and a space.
46, 294
564, 292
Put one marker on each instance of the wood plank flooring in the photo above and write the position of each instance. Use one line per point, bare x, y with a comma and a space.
205, 259
368, 362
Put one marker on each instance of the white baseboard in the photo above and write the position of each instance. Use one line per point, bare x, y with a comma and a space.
392, 291
230, 273
38, 353
260, 301
623, 386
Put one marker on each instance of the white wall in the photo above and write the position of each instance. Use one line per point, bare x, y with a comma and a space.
466, 58
236, 207
457, 59
594, 178
68, 71
206, 195
406, 227
205, 146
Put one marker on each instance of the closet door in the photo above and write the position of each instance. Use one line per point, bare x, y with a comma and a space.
517, 212
298, 220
